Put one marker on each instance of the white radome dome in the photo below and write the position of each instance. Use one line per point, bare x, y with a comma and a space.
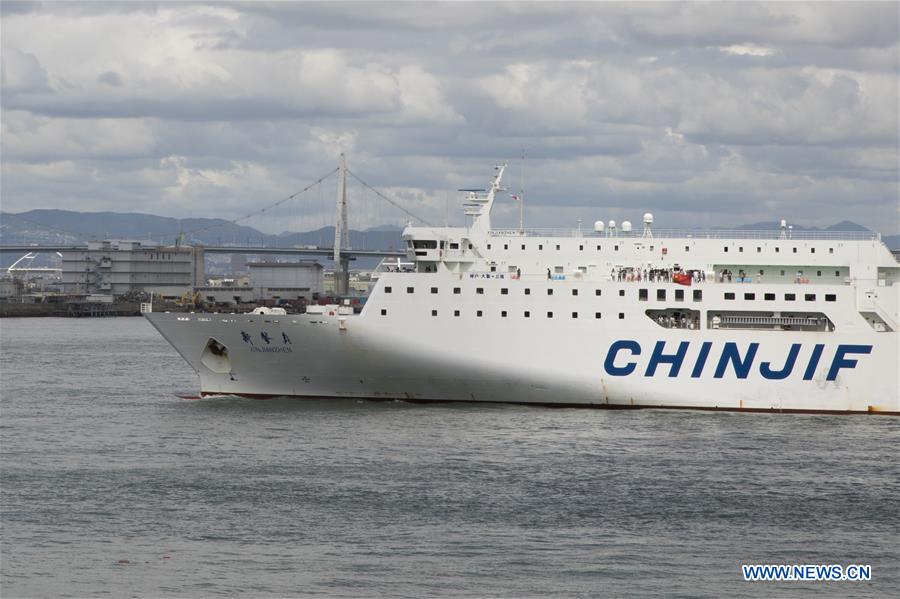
612, 224
599, 226
626, 226
648, 218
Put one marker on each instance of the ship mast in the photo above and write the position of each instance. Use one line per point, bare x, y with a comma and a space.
479, 204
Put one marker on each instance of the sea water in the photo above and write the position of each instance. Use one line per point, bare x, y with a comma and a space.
112, 485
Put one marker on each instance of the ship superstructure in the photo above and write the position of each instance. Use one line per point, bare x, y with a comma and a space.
783, 320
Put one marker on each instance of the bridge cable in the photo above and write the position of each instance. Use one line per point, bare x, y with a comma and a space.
261, 210
388, 200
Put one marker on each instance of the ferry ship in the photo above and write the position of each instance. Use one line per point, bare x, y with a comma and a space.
771, 321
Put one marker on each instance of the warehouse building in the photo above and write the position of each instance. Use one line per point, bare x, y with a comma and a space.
287, 280
118, 267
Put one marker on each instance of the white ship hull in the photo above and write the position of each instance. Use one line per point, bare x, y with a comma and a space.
535, 361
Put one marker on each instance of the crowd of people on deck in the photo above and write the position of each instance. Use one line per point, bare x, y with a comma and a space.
675, 274
678, 320
655, 275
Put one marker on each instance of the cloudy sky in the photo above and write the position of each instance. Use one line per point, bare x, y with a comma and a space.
705, 114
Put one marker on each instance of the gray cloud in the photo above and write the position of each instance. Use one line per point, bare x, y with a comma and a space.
709, 114
110, 78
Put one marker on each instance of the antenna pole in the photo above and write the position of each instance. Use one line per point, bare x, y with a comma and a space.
522, 196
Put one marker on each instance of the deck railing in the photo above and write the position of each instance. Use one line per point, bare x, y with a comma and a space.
663, 234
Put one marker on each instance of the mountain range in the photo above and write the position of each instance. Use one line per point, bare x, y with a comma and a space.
71, 227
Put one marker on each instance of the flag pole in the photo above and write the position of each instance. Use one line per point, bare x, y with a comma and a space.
522, 196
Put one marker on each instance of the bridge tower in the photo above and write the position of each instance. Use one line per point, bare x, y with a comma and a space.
341, 233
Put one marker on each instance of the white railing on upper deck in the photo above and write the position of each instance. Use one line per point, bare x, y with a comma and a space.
693, 234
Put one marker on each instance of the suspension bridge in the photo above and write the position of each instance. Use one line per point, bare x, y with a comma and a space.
340, 252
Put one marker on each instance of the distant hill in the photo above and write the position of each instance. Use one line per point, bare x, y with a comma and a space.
376, 238
63, 226
69, 227
66, 226
845, 225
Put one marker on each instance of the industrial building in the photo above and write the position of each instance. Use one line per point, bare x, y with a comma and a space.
226, 294
270, 281
287, 280
10, 289
119, 267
